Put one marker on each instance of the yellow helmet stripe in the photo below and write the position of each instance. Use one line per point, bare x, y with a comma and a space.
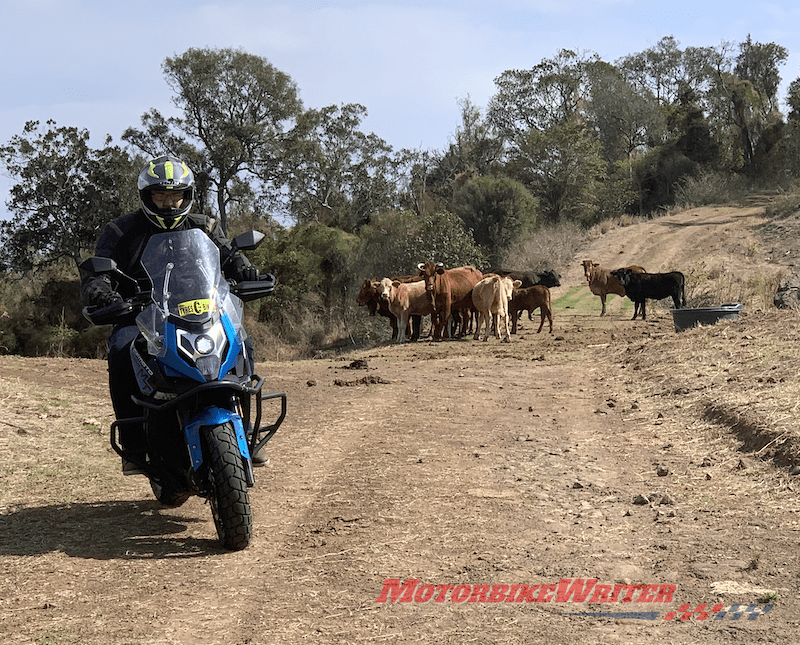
169, 171
151, 170
162, 222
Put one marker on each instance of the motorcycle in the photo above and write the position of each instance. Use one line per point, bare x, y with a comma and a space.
195, 375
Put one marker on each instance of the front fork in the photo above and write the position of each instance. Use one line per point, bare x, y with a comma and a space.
214, 416
248, 440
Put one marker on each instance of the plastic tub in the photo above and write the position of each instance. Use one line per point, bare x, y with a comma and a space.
688, 318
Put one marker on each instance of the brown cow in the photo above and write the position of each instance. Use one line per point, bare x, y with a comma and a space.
464, 316
602, 282
405, 299
530, 299
491, 296
445, 287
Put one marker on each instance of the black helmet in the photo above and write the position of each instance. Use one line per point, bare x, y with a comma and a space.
166, 173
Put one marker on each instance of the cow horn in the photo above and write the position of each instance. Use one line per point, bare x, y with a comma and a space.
440, 264
421, 265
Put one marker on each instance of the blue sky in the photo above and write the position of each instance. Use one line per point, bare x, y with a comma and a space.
97, 64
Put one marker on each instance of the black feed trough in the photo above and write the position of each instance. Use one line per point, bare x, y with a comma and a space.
688, 318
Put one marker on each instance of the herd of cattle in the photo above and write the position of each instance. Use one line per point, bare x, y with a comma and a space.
463, 298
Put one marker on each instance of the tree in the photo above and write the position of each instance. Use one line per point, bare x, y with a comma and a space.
335, 173
394, 243
550, 94
237, 106
474, 152
625, 120
562, 167
64, 194
793, 101
658, 71
695, 140
758, 64
657, 174
743, 98
412, 168
313, 262
497, 211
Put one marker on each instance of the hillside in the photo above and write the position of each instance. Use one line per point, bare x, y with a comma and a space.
614, 451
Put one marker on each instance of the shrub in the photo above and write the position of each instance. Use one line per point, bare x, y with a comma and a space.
497, 210
395, 243
550, 247
709, 187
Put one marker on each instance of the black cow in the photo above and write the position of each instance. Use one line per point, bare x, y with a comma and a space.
640, 286
547, 278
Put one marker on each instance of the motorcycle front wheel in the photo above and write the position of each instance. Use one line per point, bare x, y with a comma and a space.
230, 503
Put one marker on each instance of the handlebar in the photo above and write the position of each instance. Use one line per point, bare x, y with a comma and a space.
128, 309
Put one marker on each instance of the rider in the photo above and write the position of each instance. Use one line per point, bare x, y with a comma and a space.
166, 193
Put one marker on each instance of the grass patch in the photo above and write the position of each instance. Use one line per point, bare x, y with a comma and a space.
581, 301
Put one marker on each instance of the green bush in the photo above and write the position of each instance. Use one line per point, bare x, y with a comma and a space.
656, 176
395, 243
498, 210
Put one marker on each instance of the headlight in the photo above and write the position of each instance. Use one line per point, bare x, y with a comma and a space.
210, 341
204, 344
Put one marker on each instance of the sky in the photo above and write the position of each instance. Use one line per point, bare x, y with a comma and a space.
97, 65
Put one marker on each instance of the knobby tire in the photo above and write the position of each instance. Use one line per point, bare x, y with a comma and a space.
230, 503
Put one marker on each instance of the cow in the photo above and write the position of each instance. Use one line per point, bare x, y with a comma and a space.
529, 299
405, 299
463, 315
445, 287
368, 296
490, 297
641, 286
548, 277
602, 282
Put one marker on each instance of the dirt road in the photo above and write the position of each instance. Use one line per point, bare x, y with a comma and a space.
493, 474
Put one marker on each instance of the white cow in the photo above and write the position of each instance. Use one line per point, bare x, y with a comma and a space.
490, 297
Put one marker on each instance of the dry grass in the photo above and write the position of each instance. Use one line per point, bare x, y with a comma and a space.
551, 247
739, 376
712, 285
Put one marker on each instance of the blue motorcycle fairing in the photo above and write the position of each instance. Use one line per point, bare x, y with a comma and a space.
214, 416
235, 346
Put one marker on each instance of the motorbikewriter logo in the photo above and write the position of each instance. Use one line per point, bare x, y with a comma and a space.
568, 591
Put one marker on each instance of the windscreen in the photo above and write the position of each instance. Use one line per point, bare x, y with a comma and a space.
185, 272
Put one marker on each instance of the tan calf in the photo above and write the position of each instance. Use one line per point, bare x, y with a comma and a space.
405, 299
490, 297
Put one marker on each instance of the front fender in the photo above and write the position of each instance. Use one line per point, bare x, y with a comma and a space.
213, 416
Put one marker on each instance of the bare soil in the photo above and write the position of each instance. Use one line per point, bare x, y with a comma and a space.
611, 450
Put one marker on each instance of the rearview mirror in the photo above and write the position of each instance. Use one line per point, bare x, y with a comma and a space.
247, 241
97, 264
